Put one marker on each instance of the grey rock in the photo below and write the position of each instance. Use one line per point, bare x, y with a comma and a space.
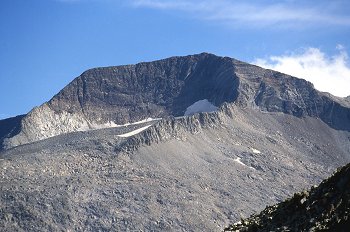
271, 136
163, 88
179, 174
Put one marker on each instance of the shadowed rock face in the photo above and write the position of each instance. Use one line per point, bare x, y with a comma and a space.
325, 208
9, 127
299, 98
167, 87
156, 89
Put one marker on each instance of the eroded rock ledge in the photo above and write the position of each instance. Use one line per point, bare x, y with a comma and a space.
176, 128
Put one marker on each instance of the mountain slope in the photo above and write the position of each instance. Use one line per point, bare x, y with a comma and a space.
325, 207
124, 94
88, 160
193, 173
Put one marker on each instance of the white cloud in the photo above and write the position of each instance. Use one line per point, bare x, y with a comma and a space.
287, 13
327, 73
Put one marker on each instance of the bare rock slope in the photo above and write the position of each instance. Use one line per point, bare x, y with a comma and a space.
271, 135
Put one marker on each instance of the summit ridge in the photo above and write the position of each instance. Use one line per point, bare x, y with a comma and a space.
158, 89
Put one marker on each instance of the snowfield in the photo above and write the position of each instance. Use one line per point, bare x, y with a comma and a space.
111, 124
134, 132
238, 160
199, 107
255, 151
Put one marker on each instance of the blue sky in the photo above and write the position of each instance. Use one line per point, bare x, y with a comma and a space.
45, 44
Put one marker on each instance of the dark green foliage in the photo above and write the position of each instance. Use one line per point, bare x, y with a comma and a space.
325, 208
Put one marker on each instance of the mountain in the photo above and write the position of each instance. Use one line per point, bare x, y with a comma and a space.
323, 208
166, 88
185, 143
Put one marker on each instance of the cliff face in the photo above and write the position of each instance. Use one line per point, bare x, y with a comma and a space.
154, 89
123, 94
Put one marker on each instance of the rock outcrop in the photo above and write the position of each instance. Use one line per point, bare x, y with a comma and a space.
323, 208
8, 128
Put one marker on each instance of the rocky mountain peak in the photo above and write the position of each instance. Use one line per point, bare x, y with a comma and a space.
148, 89
129, 93
186, 143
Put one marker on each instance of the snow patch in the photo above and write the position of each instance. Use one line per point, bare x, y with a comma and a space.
199, 107
111, 124
255, 151
139, 122
238, 160
134, 132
